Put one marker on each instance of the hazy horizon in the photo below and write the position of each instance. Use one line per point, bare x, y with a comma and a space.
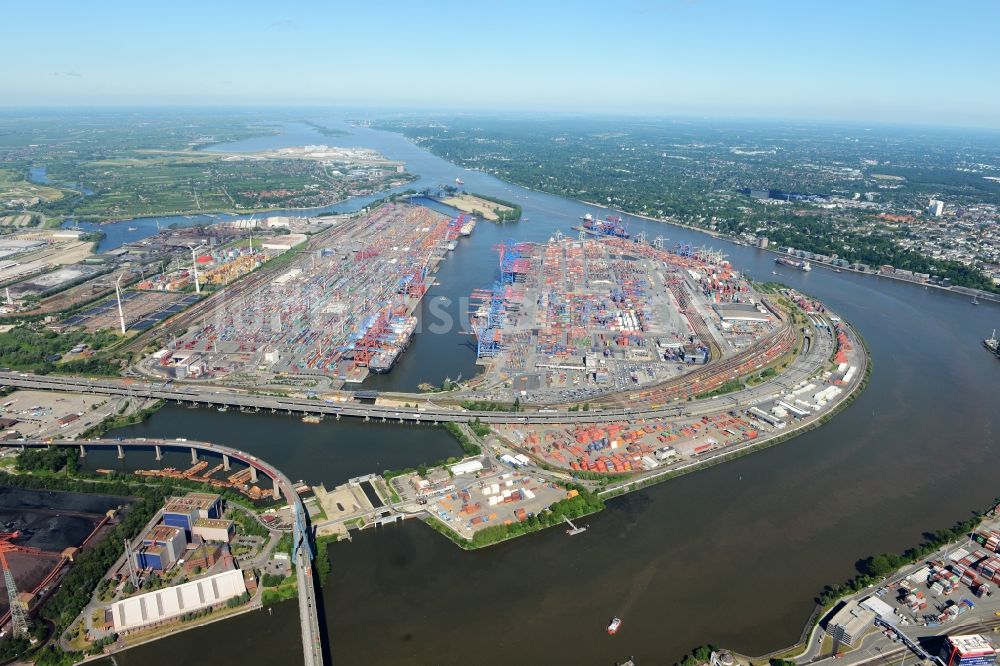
896, 62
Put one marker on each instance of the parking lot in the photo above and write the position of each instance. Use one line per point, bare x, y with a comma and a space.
46, 414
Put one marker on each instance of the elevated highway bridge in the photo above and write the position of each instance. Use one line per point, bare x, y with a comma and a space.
811, 359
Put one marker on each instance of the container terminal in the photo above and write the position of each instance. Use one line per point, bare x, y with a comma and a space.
341, 310
579, 319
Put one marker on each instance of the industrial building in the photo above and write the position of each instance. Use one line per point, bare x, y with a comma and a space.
171, 602
968, 650
741, 312
185, 511
850, 623
284, 243
161, 547
214, 529
466, 467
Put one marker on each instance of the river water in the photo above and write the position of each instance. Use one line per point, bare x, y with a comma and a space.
733, 555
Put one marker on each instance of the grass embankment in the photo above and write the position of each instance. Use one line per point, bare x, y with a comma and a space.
469, 448
120, 420
488, 406
282, 588
583, 504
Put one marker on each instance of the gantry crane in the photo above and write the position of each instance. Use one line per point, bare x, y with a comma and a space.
18, 613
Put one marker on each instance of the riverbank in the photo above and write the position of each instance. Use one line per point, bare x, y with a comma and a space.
500, 533
122, 419
755, 445
965, 291
882, 570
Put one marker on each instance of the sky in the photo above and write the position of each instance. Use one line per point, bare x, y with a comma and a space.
908, 61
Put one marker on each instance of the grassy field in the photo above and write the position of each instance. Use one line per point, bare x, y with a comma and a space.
17, 220
186, 183
14, 186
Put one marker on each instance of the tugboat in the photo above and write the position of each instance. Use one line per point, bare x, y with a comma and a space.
615, 624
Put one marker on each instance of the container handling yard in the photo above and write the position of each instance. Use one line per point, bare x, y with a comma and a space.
577, 319
340, 311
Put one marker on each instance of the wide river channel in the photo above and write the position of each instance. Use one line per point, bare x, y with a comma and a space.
732, 556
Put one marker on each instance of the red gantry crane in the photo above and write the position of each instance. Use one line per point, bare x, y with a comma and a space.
18, 613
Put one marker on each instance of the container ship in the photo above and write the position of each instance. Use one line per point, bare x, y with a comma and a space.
402, 329
610, 226
467, 228
800, 264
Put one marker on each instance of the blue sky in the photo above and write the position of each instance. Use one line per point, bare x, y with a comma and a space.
881, 60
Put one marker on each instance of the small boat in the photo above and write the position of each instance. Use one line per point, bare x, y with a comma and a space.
133, 228
837, 270
974, 301
774, 272
614, 626
223, 409
459, 181
992, 344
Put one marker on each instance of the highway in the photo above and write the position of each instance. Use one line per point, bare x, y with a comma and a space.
816, 352
312, 645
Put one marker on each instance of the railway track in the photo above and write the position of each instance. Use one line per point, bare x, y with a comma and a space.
241, 288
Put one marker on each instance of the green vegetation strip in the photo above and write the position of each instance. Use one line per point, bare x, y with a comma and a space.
33, 347
468, 446
512, 215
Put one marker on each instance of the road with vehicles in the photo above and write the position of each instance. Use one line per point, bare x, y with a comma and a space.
818, 346
312, 645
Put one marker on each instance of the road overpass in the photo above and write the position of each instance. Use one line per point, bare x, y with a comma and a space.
811, 359
302, 553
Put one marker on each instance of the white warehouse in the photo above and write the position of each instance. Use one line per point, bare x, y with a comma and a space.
170, 602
